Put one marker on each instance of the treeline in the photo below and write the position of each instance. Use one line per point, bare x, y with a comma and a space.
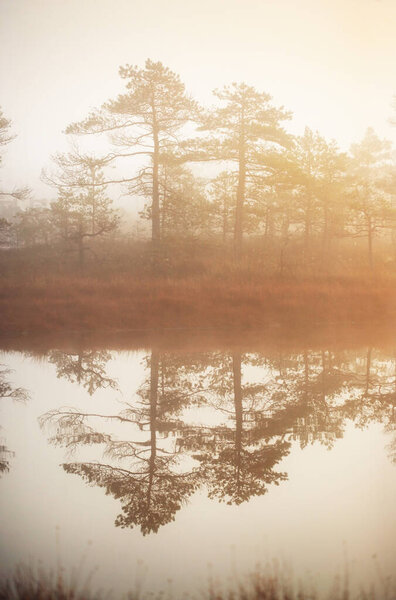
284, 205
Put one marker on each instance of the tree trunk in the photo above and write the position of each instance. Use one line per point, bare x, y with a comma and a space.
163, 206
93, 200
224, 218
325, 236
80, 242
79, 367
306, 376
283, 243
368, 369
241, 190
155, 208
269, 225
370, 243
307, 233
323, 377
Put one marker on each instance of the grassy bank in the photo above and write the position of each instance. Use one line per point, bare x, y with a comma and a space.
65, 303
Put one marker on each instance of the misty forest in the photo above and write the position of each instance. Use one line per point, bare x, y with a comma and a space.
198, 300
229, 195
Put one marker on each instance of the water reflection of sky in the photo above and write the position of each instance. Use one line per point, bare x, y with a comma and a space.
333, 501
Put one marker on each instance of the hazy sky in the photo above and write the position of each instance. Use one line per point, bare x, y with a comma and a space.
332, 62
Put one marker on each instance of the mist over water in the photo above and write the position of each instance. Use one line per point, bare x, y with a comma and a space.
174, 466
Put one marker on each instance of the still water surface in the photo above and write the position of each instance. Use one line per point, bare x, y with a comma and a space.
168, 468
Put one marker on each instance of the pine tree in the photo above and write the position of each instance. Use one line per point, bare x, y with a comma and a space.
243, 130
370, 199
145, 121
82, 210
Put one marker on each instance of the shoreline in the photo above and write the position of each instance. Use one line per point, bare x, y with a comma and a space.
151, 308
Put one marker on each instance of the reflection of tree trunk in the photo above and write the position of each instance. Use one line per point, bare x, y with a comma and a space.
394, 393
323, 377
237, 377
154, 368
306, 375
368, 367
79, 367
162, 378
280, 368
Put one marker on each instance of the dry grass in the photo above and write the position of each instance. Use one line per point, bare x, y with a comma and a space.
265, 583
87, 304
29, 583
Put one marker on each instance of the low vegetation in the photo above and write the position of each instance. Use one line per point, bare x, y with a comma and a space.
270, 583
68, 303
29, 583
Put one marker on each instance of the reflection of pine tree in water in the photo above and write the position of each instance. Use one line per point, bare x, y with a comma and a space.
150, 498
373, 397
334, 388
235, 470
18, 394
158, 493
72, 429
5, 456
151, 491
305, 397
316, 385
85, 367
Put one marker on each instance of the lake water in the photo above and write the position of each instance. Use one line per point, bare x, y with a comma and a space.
168, 468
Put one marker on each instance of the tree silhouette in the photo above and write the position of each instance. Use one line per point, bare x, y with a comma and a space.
318, 172
233, 466
145, 121
151, 489
223, 202
34, 226
184, 207
370, 199
85, 367
372, 393
245, 129
82, 210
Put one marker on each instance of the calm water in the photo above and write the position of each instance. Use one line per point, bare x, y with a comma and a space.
168, 468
